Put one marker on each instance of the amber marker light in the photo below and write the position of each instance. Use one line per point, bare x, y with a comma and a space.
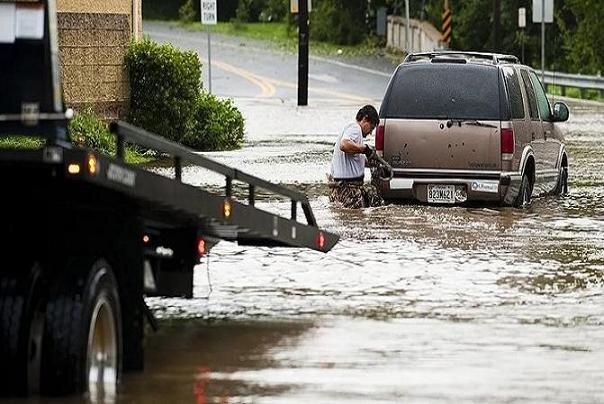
92, 164
73, 168
227, 208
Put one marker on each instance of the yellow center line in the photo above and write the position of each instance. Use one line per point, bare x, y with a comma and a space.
266, 88
267, 84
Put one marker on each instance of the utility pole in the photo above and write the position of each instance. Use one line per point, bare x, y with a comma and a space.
542, 40
496, 24
423, 12
407, 41
303, 31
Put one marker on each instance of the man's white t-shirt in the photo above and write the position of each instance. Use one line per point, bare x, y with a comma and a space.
348, 165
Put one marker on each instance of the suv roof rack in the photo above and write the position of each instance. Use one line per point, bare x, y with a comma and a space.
495, 58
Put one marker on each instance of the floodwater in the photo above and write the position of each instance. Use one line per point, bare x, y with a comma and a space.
415, 303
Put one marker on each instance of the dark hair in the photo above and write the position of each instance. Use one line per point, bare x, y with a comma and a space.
369, 112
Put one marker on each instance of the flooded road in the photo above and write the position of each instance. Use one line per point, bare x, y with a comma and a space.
416, 303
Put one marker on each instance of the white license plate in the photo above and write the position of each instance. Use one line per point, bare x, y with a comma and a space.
441, 193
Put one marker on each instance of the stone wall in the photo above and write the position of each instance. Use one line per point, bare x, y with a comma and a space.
92, 48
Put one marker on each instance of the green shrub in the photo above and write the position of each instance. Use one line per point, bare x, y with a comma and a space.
219, 125
339, 21
164, 85
261, 10
166, 99
88, 130
186, 12
168, 9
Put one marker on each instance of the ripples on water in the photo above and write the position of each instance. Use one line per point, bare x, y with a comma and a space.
433, 303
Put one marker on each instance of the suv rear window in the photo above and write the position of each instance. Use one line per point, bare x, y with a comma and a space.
443, 91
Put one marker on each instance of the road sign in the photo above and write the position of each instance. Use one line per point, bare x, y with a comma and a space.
522, 17
548, 12
293, 6
208, 12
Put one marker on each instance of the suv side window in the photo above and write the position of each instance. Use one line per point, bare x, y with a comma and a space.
542, 103
530, 94
511, 82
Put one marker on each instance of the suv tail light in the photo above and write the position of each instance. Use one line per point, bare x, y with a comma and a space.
379, 139
507, 143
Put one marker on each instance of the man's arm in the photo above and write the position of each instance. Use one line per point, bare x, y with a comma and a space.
348, 146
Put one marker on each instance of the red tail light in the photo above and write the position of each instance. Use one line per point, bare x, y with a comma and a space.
379, 138
507, 141
201, 247
320, 240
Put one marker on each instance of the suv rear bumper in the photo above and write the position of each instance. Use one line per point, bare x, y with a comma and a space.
488, 186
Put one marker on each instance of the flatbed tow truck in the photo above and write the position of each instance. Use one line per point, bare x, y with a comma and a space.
85, 237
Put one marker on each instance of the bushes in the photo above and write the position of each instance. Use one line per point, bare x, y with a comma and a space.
339, 21
261, 10
169, 9
186, 12
218, 125
87, 130
166, 99
164, 84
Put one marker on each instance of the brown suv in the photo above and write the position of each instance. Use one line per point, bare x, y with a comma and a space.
468, 126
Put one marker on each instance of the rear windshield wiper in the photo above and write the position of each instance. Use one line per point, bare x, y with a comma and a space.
472, 122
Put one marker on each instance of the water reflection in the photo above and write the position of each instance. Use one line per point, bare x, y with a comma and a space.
422, 303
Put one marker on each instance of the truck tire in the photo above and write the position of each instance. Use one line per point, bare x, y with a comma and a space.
524, 195
20, 295
82, 337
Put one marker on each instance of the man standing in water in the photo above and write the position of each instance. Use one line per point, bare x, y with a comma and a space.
348, 162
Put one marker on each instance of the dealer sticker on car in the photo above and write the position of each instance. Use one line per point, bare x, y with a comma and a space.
441, 193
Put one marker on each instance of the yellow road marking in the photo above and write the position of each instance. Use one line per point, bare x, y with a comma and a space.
267, 84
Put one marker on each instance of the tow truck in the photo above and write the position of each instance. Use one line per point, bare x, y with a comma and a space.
85, 237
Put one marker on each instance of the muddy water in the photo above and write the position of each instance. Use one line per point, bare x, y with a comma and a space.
416, 303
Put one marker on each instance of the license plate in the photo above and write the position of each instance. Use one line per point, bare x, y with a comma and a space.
441, 193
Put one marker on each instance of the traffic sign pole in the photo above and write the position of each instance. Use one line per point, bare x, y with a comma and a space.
209, 62
209, 17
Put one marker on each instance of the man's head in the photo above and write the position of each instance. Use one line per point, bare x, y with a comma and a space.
368, 119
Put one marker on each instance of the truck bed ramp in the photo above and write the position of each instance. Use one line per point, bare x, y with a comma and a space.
218, 215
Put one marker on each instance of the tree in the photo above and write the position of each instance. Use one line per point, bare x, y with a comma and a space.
582, 23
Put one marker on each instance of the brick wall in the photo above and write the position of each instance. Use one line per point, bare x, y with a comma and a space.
92, 48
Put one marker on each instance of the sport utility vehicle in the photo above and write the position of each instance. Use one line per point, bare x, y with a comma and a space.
468, 126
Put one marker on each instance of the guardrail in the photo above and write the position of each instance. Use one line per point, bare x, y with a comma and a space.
580, 81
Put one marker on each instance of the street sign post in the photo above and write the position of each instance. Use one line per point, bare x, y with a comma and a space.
543, 11
522, 25
209, 16
293, 6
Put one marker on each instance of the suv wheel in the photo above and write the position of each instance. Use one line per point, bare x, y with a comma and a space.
562, 186
524, 196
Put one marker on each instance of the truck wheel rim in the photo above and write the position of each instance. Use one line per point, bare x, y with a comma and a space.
102, 350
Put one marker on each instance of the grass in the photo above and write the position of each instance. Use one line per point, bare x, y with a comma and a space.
593, 95
17, 142
21, 143
281, 36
